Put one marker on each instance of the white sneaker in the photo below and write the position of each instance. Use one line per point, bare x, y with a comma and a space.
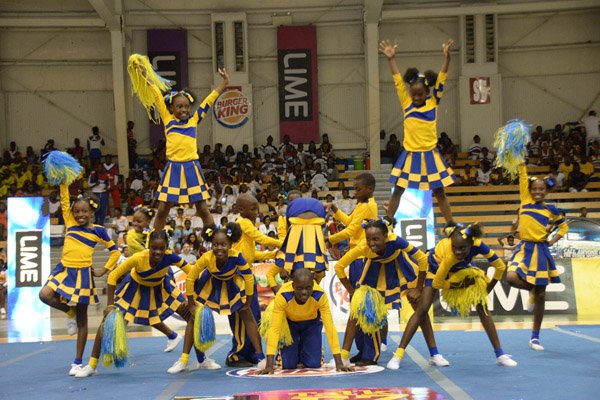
383, 347
71, 326
177, 368
74, 369
438, 360
505, 360
394, 363
261, 364
535, 346
208, 363
172, 343
85, 372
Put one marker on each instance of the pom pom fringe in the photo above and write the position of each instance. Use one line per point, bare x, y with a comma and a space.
369, 309
114, 340
285, 335
463, 299
204, 328
61, 168
510, 142
143, 78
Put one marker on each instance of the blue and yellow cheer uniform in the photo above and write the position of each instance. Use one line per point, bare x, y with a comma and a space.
222, 290
420, 165
531, 258
182, 180
147, 295
72, 278
443, 263
306, 321
354, 230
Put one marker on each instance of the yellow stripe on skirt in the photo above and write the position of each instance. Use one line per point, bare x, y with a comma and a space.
533, 262
424, 170
74, 285
182, 182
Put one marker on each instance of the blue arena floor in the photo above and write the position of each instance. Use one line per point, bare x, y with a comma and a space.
567, 369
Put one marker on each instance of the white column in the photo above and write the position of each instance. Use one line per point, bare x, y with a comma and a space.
372, 92
118, 68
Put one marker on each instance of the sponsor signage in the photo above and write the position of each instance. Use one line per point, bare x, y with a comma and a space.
297, 70
232, 108
479, 90
28, 258
304, 372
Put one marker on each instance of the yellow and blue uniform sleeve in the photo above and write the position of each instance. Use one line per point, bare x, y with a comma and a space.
524, 193
110, 245
330, 331
401, 91
159, 103
354, 222
194, 273
438, 89
342, 217
495, 261
65, 205
276, 322
353, 254
122, 269
205, 105
257, 236
182, 265
264, 255
439, 280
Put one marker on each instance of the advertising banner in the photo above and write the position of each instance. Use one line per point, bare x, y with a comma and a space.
297, 67
167, 51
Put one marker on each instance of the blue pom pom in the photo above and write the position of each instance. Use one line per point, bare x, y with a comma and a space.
511, 145
61, 168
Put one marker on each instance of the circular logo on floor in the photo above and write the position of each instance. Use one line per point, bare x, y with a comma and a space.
304, 372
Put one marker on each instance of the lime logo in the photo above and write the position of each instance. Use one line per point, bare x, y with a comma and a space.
304, 372
232, 108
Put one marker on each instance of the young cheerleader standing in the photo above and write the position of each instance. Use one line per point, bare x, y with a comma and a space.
137, 240
463, 284
71, 280
182, 181
386, 269
532, 267
223, 281
420, 166
147, 295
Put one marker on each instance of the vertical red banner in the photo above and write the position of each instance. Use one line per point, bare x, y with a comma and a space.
167, 51
298, 86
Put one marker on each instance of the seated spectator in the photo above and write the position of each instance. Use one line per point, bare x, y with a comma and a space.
485, 155
230, 156
586, 166
393, 148
187, 228
120, 224
558, 178
583, 212
268, 167
475, 148
223, 221
327, 150
77, 151
319, 179
496, 177
12, 154
124, 249
48, 147
483, 174
319, 159
268, 148
30, 156
595, 159
187, 255
264, 208
444, 142
508, 247
577, 180
95, 143
176, 235
267, 226
283, 147
566, 167
468, 176
196, 247
346, 203
206, 156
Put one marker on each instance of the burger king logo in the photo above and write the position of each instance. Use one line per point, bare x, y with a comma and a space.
232, 108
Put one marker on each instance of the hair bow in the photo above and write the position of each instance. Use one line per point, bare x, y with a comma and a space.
93, 204
449, 230
209, 232
171, 95
229, 232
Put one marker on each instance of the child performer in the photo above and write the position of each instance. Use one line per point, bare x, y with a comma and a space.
450, 268
304, 245
387, 269
420, 166
242, 354
366, 208
147, 295
182, 180
221, 280
137, 240
72, 280
305, 306
532, 267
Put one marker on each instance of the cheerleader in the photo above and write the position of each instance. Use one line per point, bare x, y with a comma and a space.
182, 180
303, 245
72, 280
223, 281
388, 268
463, 284
147, 295
420, 166
532, 267
303, 305
137, 241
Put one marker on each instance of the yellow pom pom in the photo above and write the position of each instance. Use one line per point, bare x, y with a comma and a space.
285, 335
462, 299
369, 309
145, 81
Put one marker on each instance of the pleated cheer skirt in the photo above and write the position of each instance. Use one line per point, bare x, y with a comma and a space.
223, 296
148, 305
182, 182
73, 284
424, 170
384, 278
534, 264
304, 246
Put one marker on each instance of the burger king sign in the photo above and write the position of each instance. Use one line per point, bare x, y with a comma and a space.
232, 108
